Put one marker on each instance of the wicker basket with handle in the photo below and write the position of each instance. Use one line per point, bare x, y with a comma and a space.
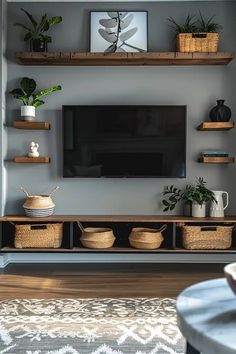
96, 237
207, 237
197, 42
38, 235
146, 238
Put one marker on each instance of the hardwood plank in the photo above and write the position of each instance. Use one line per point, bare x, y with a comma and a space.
98, 280
21, 124
26, 159
100, 59
216, 160
216, 126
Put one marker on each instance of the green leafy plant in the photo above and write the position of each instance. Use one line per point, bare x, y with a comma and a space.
195, 193
207, 26
26, 94
189, 26
38, 29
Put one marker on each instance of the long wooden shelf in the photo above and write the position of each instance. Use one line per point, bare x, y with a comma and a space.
118, 218
101, 59
216, 160
22, 124
212, 126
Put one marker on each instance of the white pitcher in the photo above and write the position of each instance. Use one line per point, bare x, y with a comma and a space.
217, 209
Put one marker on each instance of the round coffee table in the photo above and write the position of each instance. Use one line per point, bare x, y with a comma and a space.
207, 317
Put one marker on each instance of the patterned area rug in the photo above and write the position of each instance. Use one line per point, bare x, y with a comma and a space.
90, 326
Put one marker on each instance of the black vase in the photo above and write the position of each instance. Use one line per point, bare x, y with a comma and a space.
38, 45
220, 113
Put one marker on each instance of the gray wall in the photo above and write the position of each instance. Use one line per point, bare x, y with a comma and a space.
197, 87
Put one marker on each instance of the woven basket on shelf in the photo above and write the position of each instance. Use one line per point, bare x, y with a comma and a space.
197, 42
96, 237
38, 235
207, 237
146, 238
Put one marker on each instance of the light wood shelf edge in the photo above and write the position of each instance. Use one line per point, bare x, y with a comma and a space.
216, 160
214, 126
26, 159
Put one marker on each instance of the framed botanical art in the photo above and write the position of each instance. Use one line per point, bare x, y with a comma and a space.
118, 31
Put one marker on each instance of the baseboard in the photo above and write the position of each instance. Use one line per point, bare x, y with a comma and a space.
9, 258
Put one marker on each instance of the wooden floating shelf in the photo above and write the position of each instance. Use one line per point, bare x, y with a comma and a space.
26, 159
216, 126
113, 250
217, 159
22, 124
101, 59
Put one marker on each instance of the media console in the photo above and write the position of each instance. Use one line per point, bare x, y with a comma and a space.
171, 249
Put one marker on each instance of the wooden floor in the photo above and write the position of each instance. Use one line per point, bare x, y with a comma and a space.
102, 280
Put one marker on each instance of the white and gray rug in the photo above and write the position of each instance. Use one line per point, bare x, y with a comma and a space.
90, 326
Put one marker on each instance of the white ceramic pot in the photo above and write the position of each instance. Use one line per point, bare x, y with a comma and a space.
198, 211
28, 113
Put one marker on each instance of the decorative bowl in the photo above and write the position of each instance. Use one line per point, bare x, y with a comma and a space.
230, 274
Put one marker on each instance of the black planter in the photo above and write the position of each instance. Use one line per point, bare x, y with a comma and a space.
220, 113
38, 45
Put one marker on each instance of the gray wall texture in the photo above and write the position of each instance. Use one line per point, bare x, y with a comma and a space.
198, 87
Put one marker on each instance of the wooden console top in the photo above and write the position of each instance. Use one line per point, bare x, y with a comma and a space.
118, 218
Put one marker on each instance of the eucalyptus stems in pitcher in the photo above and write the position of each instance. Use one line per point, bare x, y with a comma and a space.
36, 32
198, 194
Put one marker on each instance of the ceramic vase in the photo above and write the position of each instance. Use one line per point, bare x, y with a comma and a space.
198, 211
38, 45
220, 113
28, 113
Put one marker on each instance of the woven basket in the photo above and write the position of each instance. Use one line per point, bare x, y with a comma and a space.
38, 235
207, 237
197, 42
146, 238
96, 237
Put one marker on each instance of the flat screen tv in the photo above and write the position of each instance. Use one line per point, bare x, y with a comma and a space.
124, 141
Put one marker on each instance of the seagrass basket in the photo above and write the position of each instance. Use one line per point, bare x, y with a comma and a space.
146, 238
207, 237
96, 237
197, 42
38, 235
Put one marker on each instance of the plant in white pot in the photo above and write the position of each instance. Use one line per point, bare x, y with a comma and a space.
196, 193
31, 100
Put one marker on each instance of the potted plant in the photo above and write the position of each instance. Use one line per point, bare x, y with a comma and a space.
196, 193
199, 35
36, 33
30, 100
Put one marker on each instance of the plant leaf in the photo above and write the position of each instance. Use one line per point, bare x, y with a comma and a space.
30, 17
28, 36
172, 207
166, 209
28, 85
126, 21
44, 24
23, 26
109, 37
108, 23
46, 92
111, 49
45, 38
165, 202
128, 34
17, 92
54, 20
113, 14
37, 103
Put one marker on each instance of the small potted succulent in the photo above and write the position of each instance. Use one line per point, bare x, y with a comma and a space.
197, 194
36, 33
31, 100
196, 35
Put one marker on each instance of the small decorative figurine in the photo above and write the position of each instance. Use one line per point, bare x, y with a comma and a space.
33, 150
